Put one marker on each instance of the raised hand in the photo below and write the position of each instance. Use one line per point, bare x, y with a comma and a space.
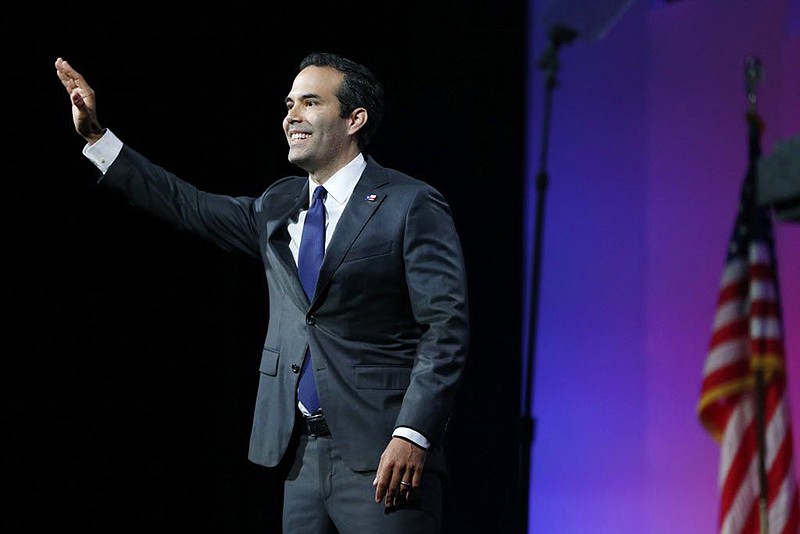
84, 113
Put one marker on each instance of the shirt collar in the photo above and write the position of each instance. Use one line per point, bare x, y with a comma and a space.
341, 185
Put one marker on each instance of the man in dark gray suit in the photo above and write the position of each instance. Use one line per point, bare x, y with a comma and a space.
383, 322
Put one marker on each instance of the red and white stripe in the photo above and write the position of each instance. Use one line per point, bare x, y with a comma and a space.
747, 336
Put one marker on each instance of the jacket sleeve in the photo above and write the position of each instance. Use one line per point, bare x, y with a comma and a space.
228, 222
437, 286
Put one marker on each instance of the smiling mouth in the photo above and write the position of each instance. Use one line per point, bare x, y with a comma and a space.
298, 136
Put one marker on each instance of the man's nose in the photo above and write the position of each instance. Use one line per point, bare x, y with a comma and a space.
292, 116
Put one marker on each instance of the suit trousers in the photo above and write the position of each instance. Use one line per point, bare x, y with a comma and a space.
322, 495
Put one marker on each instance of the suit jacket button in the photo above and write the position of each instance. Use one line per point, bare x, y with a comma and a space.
295, 368
311, 320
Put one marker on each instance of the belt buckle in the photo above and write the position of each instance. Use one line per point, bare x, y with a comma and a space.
316, 425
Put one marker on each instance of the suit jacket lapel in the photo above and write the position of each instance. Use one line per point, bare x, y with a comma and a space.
363, 203
287, 206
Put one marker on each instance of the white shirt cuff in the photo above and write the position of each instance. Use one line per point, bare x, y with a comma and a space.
104, 151
413, 435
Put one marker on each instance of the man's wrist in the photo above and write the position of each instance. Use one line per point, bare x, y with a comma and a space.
95, 135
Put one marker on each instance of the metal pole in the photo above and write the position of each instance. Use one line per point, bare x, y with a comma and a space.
559, 35
754, 74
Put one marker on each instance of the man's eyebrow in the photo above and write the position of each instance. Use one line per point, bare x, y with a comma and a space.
306, 96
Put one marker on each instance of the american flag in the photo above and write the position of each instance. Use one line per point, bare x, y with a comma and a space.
744, 379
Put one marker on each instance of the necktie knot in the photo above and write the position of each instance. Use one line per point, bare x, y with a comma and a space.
320, 193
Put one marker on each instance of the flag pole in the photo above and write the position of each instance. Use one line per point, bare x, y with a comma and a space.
754, 74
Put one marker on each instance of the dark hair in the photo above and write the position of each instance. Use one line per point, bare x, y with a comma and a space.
360, 89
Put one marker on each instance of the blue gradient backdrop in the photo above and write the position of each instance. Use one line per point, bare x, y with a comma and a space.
647, 154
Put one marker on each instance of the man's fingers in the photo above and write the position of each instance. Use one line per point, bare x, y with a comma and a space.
394, 489
406, 487
387, 484
381, 482
66, 74
416, 480
69, 77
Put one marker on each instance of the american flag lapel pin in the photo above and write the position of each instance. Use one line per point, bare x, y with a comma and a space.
371, 197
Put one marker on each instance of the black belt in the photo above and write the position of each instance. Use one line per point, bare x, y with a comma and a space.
313, 425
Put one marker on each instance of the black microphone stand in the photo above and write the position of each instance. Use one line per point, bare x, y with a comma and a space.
559, 35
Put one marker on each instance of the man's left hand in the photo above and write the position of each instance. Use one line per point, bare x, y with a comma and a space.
399, 472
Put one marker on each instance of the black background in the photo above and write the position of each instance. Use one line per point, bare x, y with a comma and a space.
130, 355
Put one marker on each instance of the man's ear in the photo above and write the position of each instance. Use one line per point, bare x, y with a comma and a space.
358, 118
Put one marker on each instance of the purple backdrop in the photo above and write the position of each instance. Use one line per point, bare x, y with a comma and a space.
648, 149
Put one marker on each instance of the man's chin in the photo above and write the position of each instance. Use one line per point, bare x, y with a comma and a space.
297, 159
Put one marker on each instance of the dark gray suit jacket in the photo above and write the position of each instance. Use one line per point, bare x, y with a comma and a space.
388, 326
